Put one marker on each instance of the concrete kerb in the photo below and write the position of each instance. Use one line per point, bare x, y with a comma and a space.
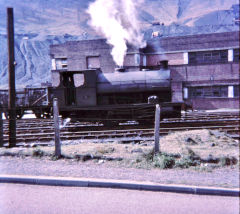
117, 184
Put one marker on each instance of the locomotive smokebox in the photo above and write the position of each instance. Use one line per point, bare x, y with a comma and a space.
164, 64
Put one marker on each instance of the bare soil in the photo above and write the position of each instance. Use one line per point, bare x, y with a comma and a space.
127, 160
221, 177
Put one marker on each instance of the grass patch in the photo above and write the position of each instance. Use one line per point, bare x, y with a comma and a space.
38, 153
198, 148
228, 161
104, 150
159, 160
165, 160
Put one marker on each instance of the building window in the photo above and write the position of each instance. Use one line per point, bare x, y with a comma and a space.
78, 80
230, 55
208, 91
192, 58
236, 90
236, 55
59, 64
208, 57
137, 59
185, 58
230, 91
144, 60
185, 93
93, 62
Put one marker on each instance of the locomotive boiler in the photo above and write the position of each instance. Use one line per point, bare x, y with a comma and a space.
116, 97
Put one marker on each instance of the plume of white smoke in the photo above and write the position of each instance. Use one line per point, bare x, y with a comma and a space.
117, 21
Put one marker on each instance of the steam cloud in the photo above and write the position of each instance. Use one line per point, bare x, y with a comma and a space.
117, 21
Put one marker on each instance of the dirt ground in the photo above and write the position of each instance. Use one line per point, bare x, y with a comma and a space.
221, 177
116, 160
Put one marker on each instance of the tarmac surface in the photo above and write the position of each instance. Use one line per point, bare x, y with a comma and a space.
38, 199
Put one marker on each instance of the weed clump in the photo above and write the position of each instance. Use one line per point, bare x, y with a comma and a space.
106, 150
38, 153
157, 160
186, 162
227, 161
181, 160
163, 161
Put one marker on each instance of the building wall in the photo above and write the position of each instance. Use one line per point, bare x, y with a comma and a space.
78, 52
214, 103
198, 73
205, 75
193, 42
174, 49
173, 59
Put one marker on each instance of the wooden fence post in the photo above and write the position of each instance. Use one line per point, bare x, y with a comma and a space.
156, 128
56, 128
1, 130
11, 79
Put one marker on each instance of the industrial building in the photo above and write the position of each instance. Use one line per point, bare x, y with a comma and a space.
204, 68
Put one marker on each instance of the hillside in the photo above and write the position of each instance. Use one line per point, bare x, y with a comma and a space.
40, 23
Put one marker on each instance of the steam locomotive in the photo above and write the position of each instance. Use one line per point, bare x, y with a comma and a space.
92, 95
118, 96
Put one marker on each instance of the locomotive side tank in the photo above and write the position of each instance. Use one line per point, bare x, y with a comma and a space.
133, 81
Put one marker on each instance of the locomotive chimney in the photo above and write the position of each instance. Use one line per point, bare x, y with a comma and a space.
164, 64
120, 69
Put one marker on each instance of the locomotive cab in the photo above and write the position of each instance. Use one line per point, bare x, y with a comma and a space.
75, 88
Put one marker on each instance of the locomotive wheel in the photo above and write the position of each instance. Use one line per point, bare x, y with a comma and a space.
42, 113
110, 123
38, 114
148, 122
6, 115
19, 114
47, 114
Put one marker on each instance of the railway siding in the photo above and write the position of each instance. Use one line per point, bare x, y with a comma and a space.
40, 131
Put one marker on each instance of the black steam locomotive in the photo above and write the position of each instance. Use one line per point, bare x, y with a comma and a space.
116, 97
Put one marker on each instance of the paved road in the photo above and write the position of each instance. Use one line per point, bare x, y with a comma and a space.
19, 199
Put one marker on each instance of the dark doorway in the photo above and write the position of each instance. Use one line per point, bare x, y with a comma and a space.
70, 90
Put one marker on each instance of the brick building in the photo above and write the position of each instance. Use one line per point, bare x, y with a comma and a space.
204, 68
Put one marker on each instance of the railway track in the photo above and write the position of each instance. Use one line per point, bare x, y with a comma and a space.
40, 131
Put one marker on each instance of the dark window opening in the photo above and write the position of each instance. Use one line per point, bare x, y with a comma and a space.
236, 90
208, 57
236, 55
209, 91
61, 63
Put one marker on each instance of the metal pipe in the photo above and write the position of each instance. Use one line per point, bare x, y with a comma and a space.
11, 79
1, 129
